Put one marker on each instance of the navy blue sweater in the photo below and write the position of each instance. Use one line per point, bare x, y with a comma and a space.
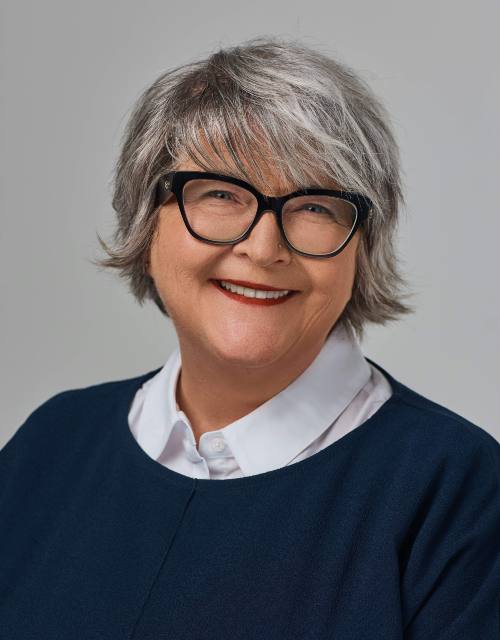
391, 532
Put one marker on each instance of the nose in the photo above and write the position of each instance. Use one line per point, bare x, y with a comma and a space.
265, 243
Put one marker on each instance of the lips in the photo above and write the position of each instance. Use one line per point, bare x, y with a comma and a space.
259, 302
254, 285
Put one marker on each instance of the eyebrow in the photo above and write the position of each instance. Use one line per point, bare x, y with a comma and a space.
229, 174
237, 176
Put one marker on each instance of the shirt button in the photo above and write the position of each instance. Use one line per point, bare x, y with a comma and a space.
217, 444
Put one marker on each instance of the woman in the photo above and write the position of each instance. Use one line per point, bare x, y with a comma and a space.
257, 195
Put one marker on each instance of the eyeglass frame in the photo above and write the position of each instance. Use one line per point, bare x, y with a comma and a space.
174, 182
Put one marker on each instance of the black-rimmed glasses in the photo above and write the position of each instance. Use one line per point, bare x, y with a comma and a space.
220, 209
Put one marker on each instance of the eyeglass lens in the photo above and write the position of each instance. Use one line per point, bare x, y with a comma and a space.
315, 224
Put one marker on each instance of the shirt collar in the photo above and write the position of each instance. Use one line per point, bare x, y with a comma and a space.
277, 431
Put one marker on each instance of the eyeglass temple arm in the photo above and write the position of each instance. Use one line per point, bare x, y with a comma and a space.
163, 189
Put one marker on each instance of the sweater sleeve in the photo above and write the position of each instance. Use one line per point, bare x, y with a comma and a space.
450, 584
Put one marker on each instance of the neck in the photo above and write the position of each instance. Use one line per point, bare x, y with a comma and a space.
213, 393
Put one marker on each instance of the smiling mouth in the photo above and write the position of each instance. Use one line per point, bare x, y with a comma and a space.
253, 285
248, 295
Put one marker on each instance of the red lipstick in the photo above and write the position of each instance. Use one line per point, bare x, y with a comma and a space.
254, 285
253, 301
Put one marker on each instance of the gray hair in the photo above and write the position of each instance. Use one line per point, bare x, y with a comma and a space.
316, 116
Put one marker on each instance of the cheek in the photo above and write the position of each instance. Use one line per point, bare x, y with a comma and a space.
336, 276
333, 281
168, 244
180, 264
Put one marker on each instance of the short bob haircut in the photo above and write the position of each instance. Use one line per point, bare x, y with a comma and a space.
318, 119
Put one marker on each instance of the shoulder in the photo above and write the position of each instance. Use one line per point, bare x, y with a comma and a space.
88, 397
433, 431
442, 469
441, 422
63, 411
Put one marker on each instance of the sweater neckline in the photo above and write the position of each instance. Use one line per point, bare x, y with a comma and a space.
167, 475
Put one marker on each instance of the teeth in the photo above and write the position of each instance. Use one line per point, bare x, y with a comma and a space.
252, 293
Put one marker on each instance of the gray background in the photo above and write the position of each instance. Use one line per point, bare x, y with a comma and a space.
70, 74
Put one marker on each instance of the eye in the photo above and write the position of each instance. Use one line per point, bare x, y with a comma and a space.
216, 194
318, 207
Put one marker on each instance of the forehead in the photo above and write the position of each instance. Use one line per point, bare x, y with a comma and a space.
268, 178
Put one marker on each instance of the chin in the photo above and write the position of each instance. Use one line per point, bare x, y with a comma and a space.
246, 350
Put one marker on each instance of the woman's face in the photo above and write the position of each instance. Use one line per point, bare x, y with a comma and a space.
212, 323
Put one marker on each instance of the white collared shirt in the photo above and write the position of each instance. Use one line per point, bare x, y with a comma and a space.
335, 394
